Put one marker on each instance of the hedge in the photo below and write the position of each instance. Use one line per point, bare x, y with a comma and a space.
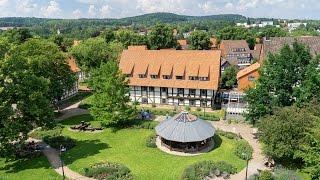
243, 150
151, 141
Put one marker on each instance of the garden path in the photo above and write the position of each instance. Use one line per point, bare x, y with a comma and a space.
249, 134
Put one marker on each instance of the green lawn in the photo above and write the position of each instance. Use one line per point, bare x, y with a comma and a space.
34, 169
128, 147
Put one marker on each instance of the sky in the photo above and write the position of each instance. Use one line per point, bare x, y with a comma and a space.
73, 9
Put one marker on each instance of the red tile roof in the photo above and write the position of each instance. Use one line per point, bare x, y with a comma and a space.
172, 62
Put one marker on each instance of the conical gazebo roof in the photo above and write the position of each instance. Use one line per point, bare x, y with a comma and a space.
185, 127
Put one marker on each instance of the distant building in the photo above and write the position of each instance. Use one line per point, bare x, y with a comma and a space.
74, 90
265, 23
274, 44
236, 52
294, 26
246, 77
172, 77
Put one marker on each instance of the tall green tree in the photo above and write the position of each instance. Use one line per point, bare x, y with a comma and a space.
62, 42
43, 59
284, 131
110, 98
271, 31
91, 53
161, 37
18, 36
237, 33
128, 37
4, 46
229, 77
24, 103
280, 76
200, 40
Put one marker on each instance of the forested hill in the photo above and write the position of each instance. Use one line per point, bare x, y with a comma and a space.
145, 20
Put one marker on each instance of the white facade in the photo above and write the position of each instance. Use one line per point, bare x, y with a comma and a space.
294, 26
172, 96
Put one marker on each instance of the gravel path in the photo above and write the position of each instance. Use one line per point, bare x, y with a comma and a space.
247, 133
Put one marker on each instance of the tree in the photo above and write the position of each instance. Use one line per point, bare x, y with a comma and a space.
280, 76
109, 35
24, 103
43, 59
62, 42
4, 47
161, 37
200, 40
237, 33
91, 53
229, 77
284, 131
127, 38
271, 31
110, 103
18, 36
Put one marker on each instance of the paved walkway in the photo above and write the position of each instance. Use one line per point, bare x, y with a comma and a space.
71, 111
247, 133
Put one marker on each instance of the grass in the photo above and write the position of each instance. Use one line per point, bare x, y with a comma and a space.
33, 169
128, 147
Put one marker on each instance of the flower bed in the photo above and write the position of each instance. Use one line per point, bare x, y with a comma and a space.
204, 169
108, 170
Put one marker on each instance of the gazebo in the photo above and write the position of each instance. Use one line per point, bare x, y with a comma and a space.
186, 133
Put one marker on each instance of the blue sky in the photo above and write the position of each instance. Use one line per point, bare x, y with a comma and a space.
303, 9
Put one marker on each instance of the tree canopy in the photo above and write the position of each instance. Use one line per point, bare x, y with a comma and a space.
43, 59
161, 37
271, 31
110, 103
91, 53
280, 79
199, 40
128, 37
229, 77
237, 33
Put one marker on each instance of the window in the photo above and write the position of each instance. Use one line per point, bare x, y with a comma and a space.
192, 92
142, 76
192, 102
203, 78
251, 78
203, 103
181, 102
179, 77
144, 100
164, 101
166, 77
193, 78
203, 92
180, 91
144, 88
151, 89
164, 90
154, 76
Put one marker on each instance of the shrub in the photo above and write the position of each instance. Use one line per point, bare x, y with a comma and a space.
229, 135
151, 141
187, 108
141, 124
285, 174
243, 150
108, 170
198, 109
41, 133
200, 170
56, 141
265, 175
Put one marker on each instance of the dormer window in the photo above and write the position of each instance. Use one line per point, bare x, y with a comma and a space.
154, 76
142, 76
179, 77
166, 77
203, 78
193, 78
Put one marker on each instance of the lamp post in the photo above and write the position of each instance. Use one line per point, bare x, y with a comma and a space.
246, 156
62, 149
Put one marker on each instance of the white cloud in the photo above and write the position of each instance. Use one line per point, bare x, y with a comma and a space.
77, 13
92, 10
52, 10
27, 7
105, 11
